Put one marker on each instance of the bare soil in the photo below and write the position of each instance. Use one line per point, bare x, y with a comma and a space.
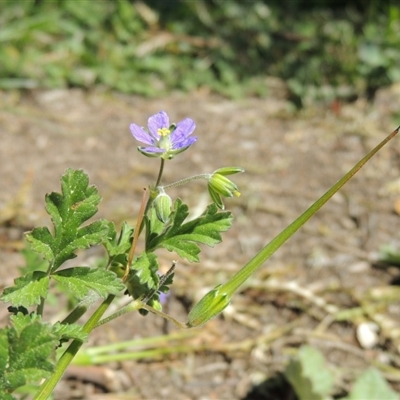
291, 158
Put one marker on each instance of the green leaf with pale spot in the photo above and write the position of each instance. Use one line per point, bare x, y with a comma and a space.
69, 209
183, 238
26, 351
79, 281
28, 290
309, 375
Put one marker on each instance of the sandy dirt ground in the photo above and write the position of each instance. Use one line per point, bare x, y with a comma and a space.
290, 158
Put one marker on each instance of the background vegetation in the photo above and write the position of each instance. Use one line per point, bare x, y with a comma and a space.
322, 50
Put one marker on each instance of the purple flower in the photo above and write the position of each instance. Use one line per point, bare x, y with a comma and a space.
162, 139
163, 297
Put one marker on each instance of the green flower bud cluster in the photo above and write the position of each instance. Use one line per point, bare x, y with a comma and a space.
219, 185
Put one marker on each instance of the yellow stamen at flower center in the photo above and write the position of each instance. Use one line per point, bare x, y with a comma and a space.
163, 131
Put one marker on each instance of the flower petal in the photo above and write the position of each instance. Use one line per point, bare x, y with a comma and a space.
141, 135
184, 143
183, 129
158, 121
152, 152
152, 149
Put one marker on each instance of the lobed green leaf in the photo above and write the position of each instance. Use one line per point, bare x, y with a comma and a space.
183, 237
69, 331
20, 320
143, 275
79, 281
184, 249
84, 238
28, 290
68, 210
42, 242
25, 352
121, 245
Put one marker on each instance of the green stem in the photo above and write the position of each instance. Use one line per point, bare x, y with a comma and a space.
256, 262
165, 316
143, 354
136, 233
186, 180
135, 305
40, 307
47, 388
153, 190
155, 341
99, 354
81, 308
75, 314
160, 172
215, 301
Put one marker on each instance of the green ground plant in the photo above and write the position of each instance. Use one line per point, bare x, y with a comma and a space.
312, 379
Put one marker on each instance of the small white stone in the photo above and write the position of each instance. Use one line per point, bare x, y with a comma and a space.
367, 334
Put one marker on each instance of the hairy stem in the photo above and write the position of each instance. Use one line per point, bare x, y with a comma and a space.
136, 233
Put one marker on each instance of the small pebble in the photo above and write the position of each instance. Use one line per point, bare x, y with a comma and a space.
367, 334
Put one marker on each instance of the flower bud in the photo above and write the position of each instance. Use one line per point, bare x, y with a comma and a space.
219, 185
212, 304
162, 205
